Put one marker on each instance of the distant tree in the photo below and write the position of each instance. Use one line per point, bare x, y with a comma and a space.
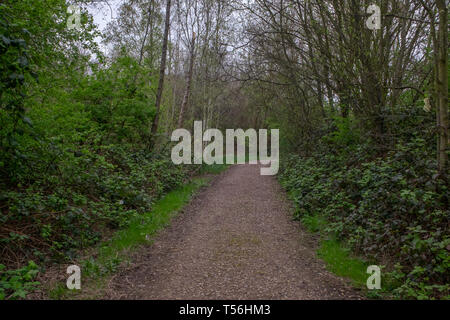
162, 70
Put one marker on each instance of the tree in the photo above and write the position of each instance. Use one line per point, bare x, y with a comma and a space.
187, 91
162, 70
442, 86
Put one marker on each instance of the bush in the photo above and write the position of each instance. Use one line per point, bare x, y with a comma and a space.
74, 145
17, 283
389, 209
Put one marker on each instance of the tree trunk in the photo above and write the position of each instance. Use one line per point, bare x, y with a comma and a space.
161, 75
188, 84
442, 87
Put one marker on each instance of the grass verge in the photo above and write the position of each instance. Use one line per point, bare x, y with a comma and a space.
340, 261
338, 258
142, 230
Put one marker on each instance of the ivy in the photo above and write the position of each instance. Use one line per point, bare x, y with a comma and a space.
387, 207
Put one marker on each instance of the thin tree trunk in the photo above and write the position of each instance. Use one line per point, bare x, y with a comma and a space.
161, 75
188, 84
147, 27
141, 51
442, 88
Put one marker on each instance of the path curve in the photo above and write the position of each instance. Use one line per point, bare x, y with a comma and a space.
235, 240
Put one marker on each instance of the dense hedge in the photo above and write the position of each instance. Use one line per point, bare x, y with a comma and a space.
389, 208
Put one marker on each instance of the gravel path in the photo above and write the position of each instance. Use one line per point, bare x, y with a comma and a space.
235, 240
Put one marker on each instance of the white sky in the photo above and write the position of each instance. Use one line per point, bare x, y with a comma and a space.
103, 12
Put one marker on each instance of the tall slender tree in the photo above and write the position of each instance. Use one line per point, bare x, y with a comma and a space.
162, 70
442, 86
188, 82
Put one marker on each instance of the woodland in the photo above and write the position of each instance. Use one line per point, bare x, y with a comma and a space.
86, 116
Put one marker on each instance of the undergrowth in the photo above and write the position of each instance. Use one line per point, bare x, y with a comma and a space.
111, 254
388, 208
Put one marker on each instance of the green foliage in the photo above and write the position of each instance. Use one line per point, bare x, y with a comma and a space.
340, 262
14, 70
314, 223
345, 136
143, 227
383, 207
141, 230
18, 283
214, 168
74, 156
106, 190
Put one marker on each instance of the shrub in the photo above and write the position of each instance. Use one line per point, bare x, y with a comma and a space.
19, 282
385, 208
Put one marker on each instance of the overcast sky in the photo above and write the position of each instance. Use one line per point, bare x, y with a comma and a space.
103, 13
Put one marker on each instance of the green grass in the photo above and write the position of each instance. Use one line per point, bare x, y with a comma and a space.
340, 262
337, 256
214, 168
141, 230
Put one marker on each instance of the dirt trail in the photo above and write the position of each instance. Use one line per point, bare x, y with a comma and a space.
236, 240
